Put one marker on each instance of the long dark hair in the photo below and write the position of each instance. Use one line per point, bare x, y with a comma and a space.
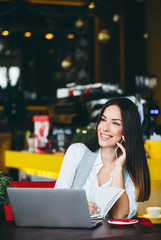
136, 162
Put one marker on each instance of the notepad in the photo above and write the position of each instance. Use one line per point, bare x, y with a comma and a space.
113, 195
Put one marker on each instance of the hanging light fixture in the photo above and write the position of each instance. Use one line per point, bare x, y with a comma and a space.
66, 63
116, 18
79, 23
70, 36
27, 34
146, 35
49, 36
91, 5
5, 33
104, 36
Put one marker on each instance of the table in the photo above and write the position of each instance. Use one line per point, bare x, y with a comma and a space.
8, 230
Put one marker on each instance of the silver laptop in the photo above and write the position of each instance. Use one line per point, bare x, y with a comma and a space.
48, 207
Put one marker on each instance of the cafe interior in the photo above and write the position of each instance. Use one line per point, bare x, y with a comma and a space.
60, 61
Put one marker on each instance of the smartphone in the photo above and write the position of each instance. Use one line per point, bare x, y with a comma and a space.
118, 150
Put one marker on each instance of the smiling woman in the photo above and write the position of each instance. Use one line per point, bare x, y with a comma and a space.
133, 150
118, 121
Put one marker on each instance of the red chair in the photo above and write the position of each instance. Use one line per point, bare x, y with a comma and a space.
39, 184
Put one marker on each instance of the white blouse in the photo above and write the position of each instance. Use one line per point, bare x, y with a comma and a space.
94, 192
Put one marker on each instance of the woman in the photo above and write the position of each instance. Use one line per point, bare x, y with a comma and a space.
120, 163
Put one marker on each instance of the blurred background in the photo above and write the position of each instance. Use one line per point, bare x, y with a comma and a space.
60, 61
65, 59
49, 46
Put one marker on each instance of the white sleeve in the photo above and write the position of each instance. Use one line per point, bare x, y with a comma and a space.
130, 190
70, 163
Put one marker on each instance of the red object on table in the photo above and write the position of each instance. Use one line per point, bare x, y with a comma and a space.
123, 220
35, 184
144, 221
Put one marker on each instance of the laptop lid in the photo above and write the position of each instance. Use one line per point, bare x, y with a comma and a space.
48, 207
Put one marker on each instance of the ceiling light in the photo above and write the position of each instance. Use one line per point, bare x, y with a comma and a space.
91, 5
79, 23
104, 36
145, 35
70, 36
27, 34
49, 36
116, 18
5, 33
66, 63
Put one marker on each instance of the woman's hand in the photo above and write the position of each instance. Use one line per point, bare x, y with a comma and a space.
92, 207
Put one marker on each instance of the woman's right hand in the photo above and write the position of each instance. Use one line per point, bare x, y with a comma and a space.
92, 207
120, 161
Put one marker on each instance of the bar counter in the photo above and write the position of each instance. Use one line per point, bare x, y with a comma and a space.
51, 163
45, 165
